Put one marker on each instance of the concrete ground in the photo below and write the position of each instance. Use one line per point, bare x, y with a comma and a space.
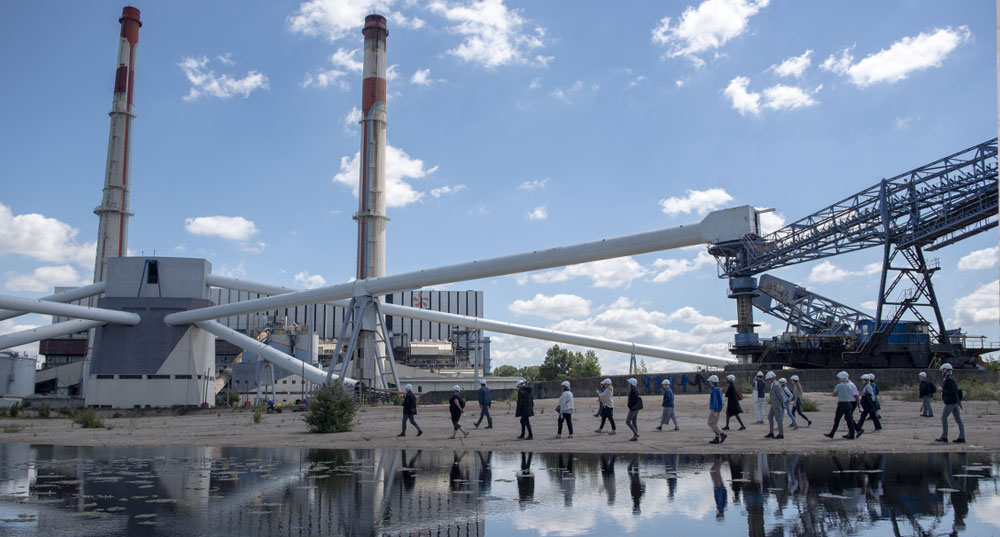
904, 430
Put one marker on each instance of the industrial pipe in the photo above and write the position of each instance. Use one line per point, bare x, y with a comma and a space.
727, 224
71, 295
288, 363
34, 305
45, 332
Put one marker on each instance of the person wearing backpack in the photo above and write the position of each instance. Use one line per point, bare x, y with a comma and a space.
457, 407
525, 409
868, 410
634, 406
927, 390
952, 398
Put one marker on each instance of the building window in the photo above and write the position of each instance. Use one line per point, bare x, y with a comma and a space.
157, 377
185, 377
130, 377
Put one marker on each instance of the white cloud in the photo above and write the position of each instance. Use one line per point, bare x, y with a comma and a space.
204, 82
574, 90
706, 27
392, 72
535, 83
777, 97
980, 307
795, 66
352, 119
538, 213
637, 80
340, 19
903, 122
534, 184
979, 259
553, 307
608, 273
253, 247
698, 201
445, 190
743, 101
870, 305
226, 58
44, 239
679, 83
399, 168
781, 97
344, 61
309, 281
493, 35
770, 222
671, 268
827, 272
421, 77
239, 271
903, 57
234, 228
44, 279
10, 326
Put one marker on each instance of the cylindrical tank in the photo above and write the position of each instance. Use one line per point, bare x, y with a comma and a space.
17, 374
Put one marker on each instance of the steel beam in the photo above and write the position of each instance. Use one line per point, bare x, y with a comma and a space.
45, 332
71, 295
34, 305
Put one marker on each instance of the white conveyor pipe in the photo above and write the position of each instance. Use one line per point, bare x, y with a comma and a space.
727, 224
288, 363
34, 305
45, 332
66, 296
500, 326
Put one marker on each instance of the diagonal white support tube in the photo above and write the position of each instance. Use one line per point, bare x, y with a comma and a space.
288, 363
66, 296
728, 224
45, 332
34, 305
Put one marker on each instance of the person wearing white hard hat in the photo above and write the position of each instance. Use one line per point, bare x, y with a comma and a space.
797, 393
485, 399
634, 406
759, 397
952, 398
789, 397
777, 411
927, 390
605, 396
457, 407
842, 391
564, 409
733, 408
409, 410
668, 407
868, 405
714, 408
525, 409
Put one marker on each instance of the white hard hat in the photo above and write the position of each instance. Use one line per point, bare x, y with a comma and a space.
565, 383
408, 387
519, 382
606, 381
759, 374
783, 380
633, 381
482, 381
666, 382
770, 375
732, 378
864, 376
795, 378
946, 367
456, 388
871, 376
843, 375
922, 374
714, 379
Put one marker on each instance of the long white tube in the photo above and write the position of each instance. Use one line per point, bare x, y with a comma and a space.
288, 363
66, 296
728, 224
502, 327
45, 332
34, 305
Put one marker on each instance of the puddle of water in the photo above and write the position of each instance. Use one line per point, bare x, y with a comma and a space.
118, 491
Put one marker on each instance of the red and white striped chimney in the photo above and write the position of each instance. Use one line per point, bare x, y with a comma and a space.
371, 193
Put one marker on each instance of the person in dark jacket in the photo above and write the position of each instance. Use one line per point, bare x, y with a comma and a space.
634, 406
525, 409
927, 389
668, 407
485, 401
684, 383
868, 410
733, 408
952, 398
698, 381
410, 410
457, 407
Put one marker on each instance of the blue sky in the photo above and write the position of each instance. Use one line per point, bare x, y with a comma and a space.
513, 126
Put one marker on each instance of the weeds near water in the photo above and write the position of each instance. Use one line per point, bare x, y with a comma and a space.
14, 410
13, 429
88, 419
808, 405
258, 415
44, 411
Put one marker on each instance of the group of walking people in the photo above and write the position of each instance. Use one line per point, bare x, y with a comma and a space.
773, 398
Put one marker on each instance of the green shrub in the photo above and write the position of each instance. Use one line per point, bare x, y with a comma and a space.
258, 415
331, 410
88, 419
980, 391
13, 429
44, 411
808, 405
397, 400
66, 411
14, 410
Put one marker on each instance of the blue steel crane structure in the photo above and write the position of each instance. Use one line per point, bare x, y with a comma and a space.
924, 209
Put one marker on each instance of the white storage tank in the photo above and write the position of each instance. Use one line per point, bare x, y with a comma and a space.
17, 374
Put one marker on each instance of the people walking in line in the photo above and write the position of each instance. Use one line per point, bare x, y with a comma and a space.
868, 404
777, 411
714, 408
634, 406
607, 405
952, 398
733, 408
668, 407
798, 392
525, 409
485, 399
927, 390
409, 410
842, 391
564, 408
760, 397
788, 397
457, 407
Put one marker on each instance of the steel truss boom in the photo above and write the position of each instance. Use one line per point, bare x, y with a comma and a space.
807, 312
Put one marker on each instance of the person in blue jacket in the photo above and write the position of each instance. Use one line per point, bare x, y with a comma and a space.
485, 400
714, 408
668, 407
684, 383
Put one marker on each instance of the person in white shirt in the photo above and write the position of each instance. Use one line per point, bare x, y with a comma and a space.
564, 408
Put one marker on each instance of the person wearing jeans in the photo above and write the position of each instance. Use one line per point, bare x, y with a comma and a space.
760, 397
927, 390
952, 398
668, 407
410, 410
485, 401
798, 392
714, 408
634, 406
607, 405
564, 408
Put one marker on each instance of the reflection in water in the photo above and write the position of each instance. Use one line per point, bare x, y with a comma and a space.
242, 491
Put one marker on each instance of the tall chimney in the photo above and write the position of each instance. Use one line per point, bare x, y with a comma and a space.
371, 193
112, 235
